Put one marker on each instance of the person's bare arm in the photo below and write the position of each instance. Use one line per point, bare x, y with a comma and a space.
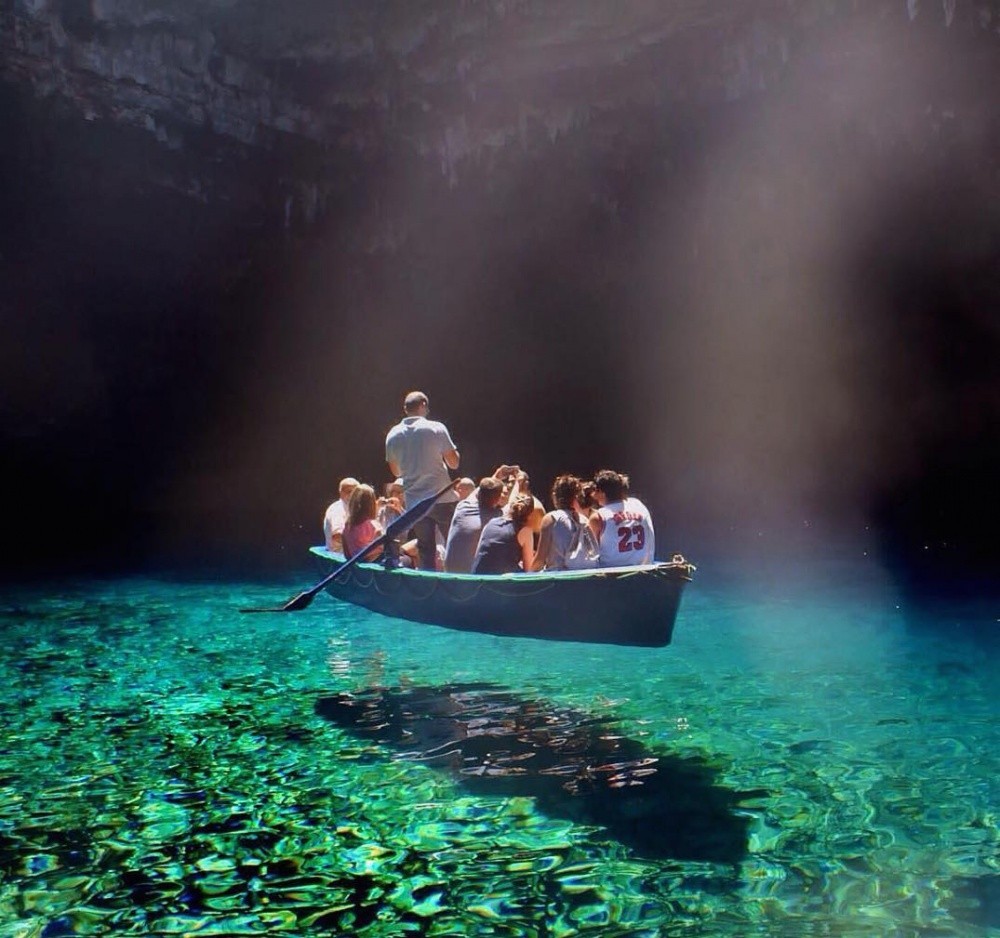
544, 544
451, 458
516, 488
527, 541
596, 523
375, 552
393, 468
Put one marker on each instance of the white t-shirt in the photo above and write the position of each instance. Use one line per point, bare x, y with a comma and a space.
628, 537
333, 521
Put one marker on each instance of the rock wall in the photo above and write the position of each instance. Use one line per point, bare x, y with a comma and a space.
450, 83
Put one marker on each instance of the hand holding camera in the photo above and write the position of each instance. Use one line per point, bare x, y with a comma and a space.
509, 473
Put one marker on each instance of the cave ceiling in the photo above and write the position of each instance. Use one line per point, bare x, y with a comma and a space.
445, 79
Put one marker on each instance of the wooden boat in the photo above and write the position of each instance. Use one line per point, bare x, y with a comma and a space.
610, 605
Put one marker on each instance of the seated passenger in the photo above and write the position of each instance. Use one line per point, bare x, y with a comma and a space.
391, 505
622, 525
336, 514
565, 540
506, 544
522, 486
464, 487
587, 499
361, 527
471, 516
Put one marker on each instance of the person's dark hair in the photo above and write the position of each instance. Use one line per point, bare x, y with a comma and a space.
586, 496
613, 484
490, 492
520, 510
564, 490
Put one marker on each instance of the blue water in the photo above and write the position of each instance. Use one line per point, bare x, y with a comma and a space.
812, 755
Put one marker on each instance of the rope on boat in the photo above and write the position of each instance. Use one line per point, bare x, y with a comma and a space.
375, 579
379, 590
416, 595
520, 591
468, 590
453, 594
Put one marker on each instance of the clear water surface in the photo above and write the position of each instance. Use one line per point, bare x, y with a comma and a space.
809, 757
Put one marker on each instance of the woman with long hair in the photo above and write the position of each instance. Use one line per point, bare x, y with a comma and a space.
565, 541
507, 543
361, 527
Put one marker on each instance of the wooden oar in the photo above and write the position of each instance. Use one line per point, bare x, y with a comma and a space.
403, 523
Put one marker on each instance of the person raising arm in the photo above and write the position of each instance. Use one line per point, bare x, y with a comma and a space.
507, 544
471, 515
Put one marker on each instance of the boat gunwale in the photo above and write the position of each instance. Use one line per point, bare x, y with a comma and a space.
682, 568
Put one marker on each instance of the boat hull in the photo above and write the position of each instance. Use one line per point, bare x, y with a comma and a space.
618, 606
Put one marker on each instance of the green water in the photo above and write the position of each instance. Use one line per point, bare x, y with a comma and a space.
164, 770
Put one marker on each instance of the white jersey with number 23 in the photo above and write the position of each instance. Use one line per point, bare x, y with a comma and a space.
628, 537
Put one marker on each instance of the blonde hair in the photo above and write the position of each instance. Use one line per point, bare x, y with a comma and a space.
361, 506
520, 510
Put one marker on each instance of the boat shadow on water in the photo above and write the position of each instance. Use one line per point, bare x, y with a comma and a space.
575, 765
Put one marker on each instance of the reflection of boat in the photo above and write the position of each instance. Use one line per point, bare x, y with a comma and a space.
615, 605
572, 764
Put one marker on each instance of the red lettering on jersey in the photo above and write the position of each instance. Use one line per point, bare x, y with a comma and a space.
620, 516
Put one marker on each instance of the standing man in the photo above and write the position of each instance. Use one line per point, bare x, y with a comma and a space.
336, 516
421, 451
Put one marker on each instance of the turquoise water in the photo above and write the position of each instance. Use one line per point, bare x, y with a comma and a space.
809, 757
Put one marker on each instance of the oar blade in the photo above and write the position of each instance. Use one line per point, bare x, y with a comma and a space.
293, 605
299, 602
